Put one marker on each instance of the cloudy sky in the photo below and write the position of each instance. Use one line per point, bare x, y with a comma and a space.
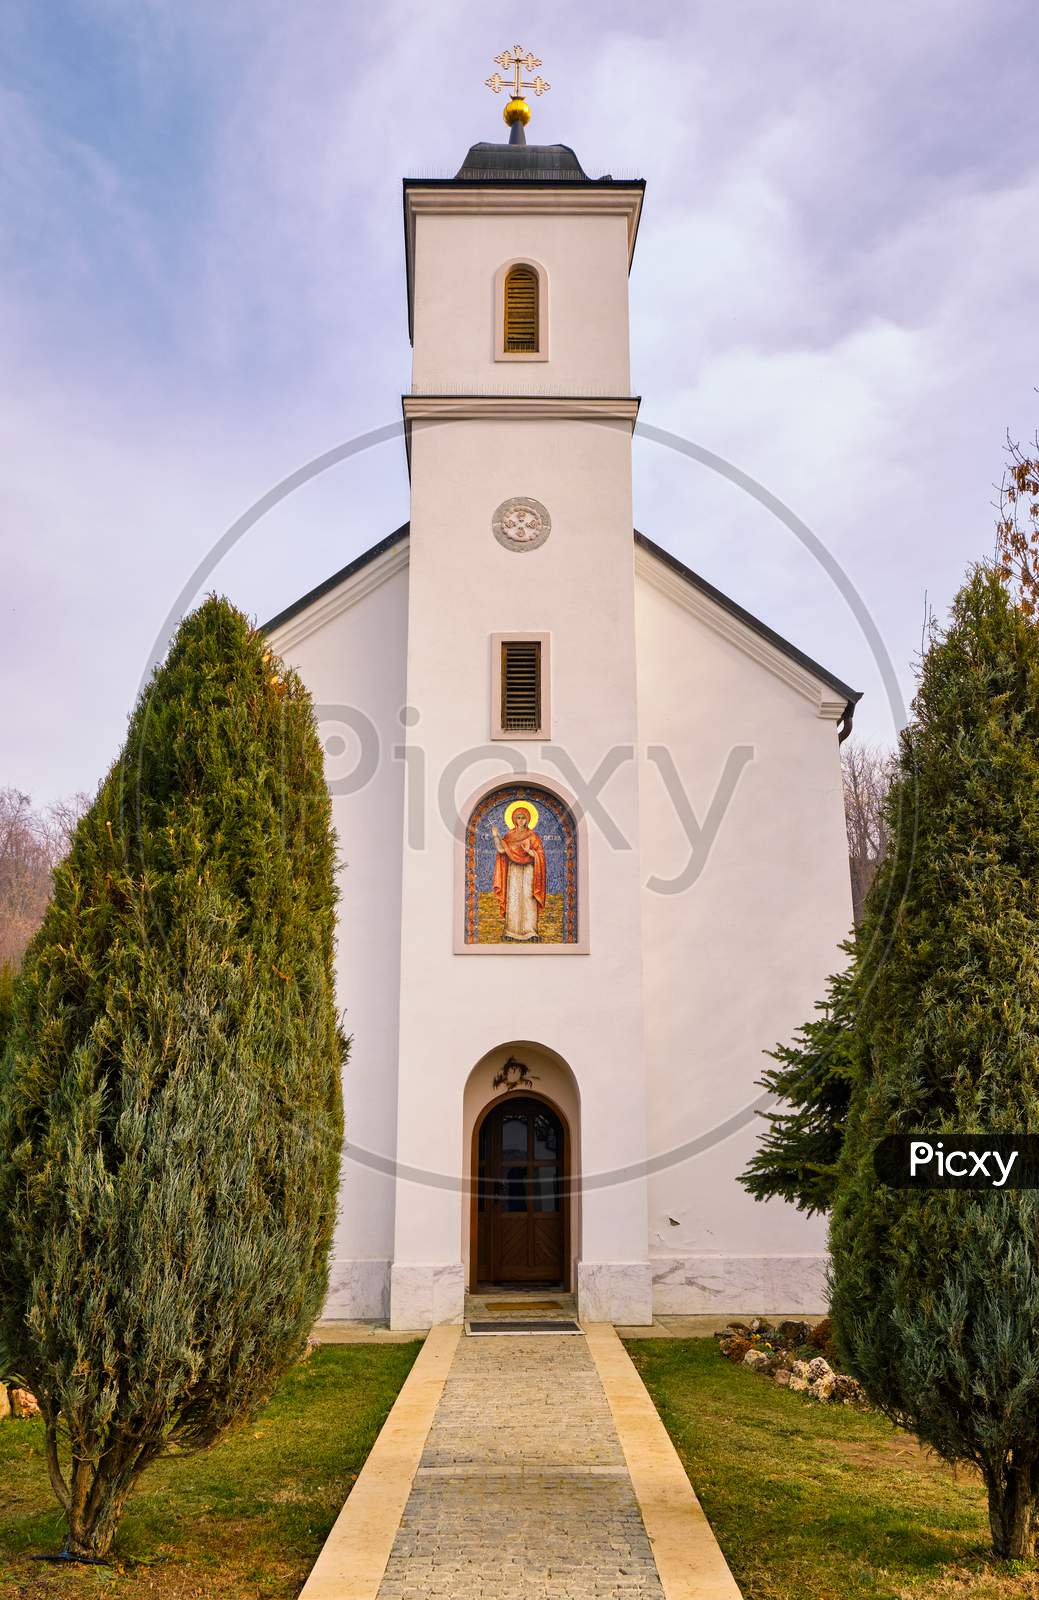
201, 288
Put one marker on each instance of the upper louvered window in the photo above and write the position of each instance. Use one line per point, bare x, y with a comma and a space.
520, 685
521, 310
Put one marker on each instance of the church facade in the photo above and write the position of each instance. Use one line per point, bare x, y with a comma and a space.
589, 812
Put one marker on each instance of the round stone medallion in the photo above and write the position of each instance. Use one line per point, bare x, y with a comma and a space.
521, 523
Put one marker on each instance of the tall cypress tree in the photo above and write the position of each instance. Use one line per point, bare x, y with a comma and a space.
170, 1106
935, 1293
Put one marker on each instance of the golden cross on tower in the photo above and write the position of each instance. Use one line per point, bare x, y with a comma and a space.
515, 61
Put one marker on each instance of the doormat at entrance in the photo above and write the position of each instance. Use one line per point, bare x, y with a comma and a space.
527, 1325
524, 1305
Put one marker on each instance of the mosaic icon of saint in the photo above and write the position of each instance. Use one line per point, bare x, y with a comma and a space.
519, 872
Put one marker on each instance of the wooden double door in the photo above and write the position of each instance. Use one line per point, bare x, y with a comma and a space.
521, 1194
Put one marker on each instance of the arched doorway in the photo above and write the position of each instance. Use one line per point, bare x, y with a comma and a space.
520, 1202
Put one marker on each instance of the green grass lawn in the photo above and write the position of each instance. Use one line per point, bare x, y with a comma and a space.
244, 1521
814, 1502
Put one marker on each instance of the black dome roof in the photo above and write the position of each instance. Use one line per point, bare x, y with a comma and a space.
522, 161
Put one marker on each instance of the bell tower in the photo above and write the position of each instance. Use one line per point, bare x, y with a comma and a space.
520, 670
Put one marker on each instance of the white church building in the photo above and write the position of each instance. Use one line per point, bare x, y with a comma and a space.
589, 812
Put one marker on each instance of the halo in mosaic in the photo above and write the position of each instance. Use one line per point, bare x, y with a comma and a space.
521, 869
521, 523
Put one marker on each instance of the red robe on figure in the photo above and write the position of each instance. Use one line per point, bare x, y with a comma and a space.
521, 846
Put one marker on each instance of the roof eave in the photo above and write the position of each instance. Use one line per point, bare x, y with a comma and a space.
806, 662
337, 578
762, 629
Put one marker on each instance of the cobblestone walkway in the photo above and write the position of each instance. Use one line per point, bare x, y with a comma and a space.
522, 1492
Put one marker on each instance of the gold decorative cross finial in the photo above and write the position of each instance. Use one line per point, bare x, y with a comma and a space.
517, 61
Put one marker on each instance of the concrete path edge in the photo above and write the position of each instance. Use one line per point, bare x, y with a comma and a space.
354, 1556
688, 1557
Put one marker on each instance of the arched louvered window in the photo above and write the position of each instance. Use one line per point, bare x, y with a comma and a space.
522, 320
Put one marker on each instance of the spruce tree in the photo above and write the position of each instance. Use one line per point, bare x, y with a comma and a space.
170, 1105
935, 1293
797, 1158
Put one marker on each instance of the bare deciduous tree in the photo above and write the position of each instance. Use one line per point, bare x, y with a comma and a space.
1017, 530
867, 777
31, 845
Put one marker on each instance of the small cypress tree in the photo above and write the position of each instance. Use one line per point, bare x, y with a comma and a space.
935, 1293
170, 1106
797, 1158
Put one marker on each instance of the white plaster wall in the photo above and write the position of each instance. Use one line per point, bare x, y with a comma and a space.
586, 259
357, 659
455, 1008
464, 587
735, 962
663, 1022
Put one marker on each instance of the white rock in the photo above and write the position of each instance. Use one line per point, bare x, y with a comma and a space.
755, 1359
798, 1385
819, 1369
